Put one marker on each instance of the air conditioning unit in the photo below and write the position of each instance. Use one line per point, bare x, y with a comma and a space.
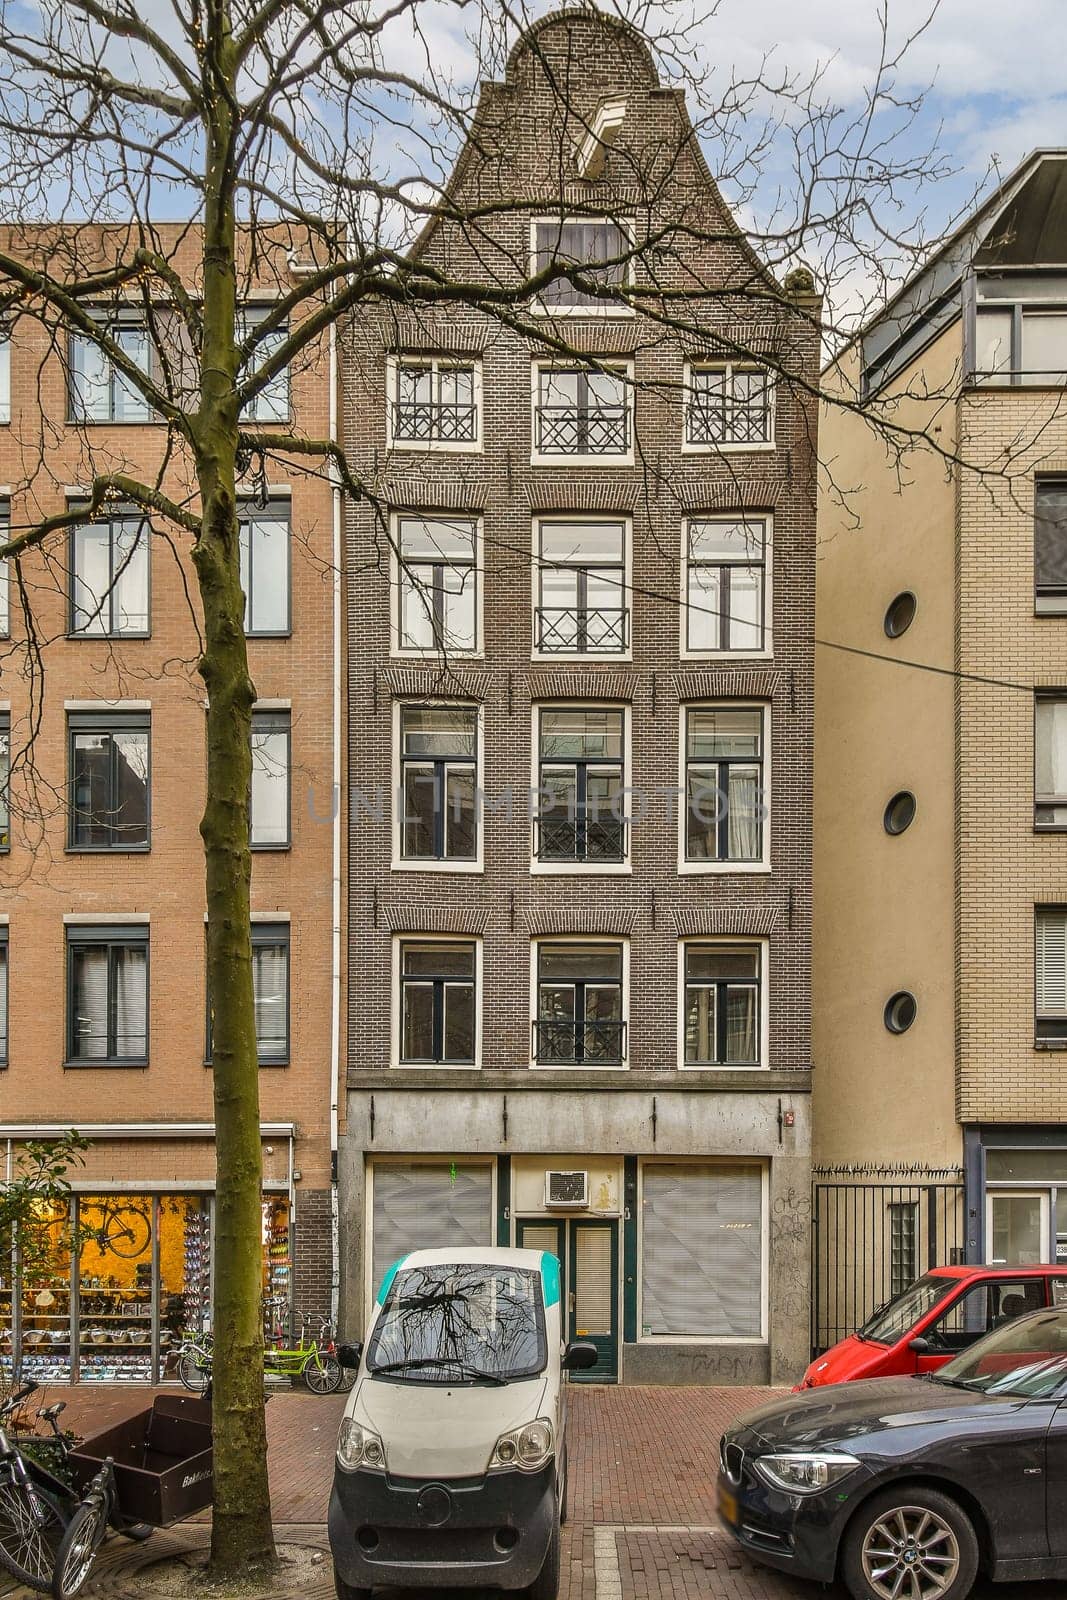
567, 1189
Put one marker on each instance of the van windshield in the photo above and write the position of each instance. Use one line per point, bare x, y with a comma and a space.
892, 1321
464, 1323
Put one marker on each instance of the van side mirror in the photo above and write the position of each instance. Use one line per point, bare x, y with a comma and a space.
348, 1356
920, 1346
579, 1357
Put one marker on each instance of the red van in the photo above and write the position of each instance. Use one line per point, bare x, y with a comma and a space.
934, 1319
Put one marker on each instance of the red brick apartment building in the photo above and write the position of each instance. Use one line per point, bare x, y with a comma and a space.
102, 989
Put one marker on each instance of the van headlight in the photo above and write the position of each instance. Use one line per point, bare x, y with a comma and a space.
526, 1448
358, 1447
807, 1472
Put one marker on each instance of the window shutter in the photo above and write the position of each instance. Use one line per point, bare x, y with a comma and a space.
1051, 951
702, 1250
429, 1208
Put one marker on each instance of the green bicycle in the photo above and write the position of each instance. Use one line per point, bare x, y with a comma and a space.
313, 1360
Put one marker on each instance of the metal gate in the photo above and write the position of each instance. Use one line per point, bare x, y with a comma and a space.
871, 1237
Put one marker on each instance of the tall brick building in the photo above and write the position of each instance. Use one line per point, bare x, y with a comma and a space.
102, 992
941, 871
579, 1010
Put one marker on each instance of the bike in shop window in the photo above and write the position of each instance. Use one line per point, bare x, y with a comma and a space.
598, 249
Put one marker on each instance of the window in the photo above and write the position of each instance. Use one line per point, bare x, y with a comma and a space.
264, 535
270, 994
899, 813
729, 405
107, 989
702, 1250
1021, 344
723, 784
1050, 940
437, 588
579, 412
269, 807
1050, 761
899, 614
5, 378
903, 1239
581, 588
99, 391
900, 1011
272, 402
600, 248
109, 780
980, 1309
5, 534
579, 1005
725, 562
1050, 545
438, 1002
435, 403
438, 783
3, 997
5, 779
722, 1005
109, 577
580, 795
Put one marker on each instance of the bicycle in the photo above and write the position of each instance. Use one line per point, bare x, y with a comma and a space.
314, 1360
124, 1230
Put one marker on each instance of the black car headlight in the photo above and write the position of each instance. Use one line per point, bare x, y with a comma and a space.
805, 1472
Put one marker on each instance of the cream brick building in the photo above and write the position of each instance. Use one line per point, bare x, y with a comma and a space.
942, 698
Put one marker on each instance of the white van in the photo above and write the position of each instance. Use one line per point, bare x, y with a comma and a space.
451, 1466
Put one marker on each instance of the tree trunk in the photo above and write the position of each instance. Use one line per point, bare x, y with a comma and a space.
241, 1534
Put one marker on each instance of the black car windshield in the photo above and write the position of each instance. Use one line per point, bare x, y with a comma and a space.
1026, 1359
460, 1323
893, 1320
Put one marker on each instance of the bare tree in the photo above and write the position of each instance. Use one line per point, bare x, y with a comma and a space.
312, 146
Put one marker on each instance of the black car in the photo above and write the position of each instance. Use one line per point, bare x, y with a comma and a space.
906, 1488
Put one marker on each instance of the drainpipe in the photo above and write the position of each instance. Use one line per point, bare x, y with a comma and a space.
335, 972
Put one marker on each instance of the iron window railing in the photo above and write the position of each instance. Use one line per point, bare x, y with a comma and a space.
434, 422
573, 1043
580, 838
725, 419
575, 630
563, 430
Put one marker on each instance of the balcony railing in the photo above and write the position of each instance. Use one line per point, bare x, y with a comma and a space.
727, 421
423, 422
559, 1042
574, 630
590, 839
582, 430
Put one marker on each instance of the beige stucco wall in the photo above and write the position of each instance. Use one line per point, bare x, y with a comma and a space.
884, 907
1005, 869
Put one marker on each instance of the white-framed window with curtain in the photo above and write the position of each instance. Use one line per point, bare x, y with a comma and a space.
436, 1205
727, 561
1050, 973
435, 585
107, 995
723, 815
601, 248
703, 1250
723, 1012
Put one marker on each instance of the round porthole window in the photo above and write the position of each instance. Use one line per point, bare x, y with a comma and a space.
900, 1011
900, 812
900, 614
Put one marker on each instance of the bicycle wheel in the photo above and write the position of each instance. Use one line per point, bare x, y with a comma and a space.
28, 1546
322, 1373
194, 1371
127, 1232
85, 1533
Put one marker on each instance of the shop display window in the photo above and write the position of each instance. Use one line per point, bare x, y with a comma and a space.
44, 1330
115, 1297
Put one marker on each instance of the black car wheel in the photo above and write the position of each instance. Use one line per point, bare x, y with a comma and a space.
910, 1544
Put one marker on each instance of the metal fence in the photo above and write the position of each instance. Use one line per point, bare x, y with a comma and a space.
871, 1237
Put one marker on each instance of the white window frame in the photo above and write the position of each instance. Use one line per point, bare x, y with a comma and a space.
395, 1062
766, 652
538, 307
745, 704
728, 942
375, 1163
547, 458
433, 653
580, 938
741, 1340
626, 591
402, 863
576, 869
436, 364
728, 366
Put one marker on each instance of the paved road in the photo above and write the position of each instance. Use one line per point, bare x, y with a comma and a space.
642, 1526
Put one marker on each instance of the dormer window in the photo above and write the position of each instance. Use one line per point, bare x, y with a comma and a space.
434, 404
600, 248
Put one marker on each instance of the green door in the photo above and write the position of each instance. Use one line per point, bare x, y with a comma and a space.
593, 1299
545, 1234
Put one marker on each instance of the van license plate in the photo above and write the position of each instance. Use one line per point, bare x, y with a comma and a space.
728, 1506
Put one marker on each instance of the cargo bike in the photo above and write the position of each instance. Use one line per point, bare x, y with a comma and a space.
143, 1473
